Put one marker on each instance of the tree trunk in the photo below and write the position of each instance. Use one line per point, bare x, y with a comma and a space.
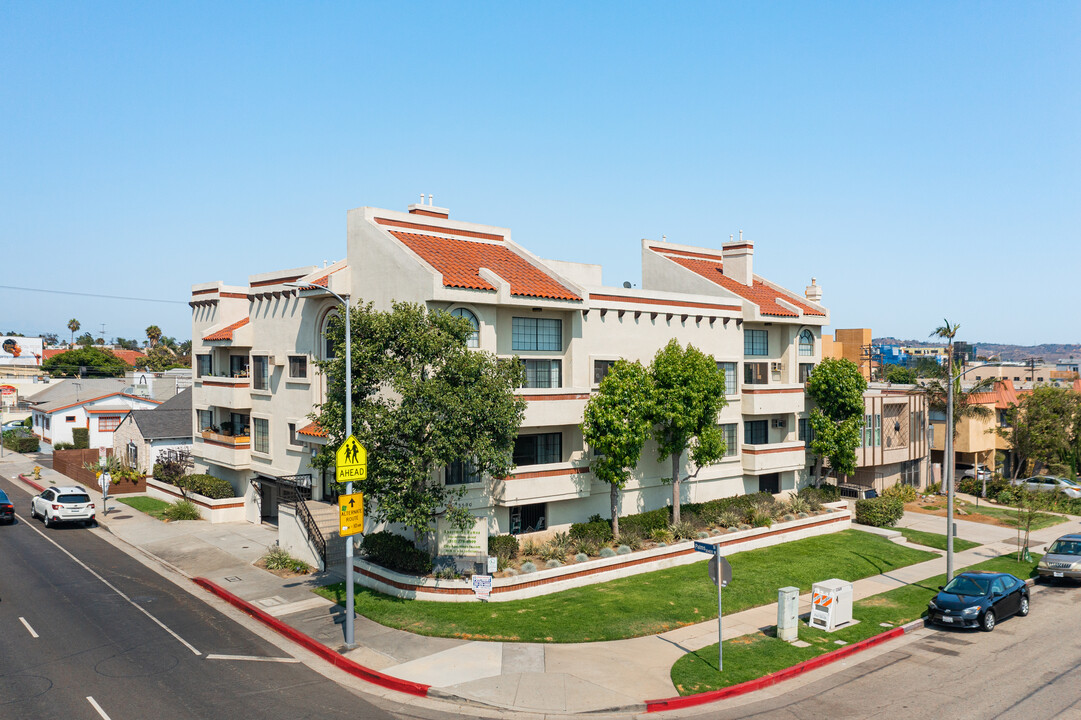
615, 511
818, 472
675, 488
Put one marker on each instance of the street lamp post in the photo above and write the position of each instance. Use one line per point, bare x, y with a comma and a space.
350, 612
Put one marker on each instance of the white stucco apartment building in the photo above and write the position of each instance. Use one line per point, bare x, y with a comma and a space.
256, 382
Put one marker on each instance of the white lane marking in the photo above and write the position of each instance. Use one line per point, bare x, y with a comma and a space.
28, 628
94, 704
252, 658
112, 587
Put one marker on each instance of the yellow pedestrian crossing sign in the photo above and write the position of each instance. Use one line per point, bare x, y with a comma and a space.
351, 461
350, 514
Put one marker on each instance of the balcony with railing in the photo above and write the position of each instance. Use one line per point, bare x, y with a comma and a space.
227, 450
224, 391
772, 399
544, 483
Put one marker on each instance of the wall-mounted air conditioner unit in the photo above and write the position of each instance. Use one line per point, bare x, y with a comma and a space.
277, 359
778, 422
776, 367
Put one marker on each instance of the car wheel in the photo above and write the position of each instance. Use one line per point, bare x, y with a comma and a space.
1023, 610
988, 623
33, 512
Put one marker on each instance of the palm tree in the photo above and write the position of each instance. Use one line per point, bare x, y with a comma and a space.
74, 326
153, 334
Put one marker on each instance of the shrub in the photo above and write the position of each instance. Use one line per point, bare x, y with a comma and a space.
760, 517
701, 534
623, 550
553, 563
21, 442
589, 548
904, 493
631, 540
278, 559
594, 531
182, 510
933, 489
661, 535
81, 436
510, 572
504, 547
394, 552
552, 551
607, 552
645, 523
528, 567
209, 486
879, 511
1006, 497
798, 504
63, 446
728, 519
789, 517
683, 530
531, 547
581, 557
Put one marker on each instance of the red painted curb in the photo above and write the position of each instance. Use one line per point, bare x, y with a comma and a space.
31, 483
373, 676
675, 703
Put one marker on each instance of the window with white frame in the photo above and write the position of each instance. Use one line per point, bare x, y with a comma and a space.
755, 343
542, 373
537, 334
260, 435
473, 340
731, 382
806, 343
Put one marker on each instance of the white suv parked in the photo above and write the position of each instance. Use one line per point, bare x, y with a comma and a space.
63, 504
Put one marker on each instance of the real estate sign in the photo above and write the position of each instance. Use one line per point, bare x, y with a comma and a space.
462, 543
20, 350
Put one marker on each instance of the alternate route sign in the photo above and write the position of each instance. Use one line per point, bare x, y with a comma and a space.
351, 514
351, 461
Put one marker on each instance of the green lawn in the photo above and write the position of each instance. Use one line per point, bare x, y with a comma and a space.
642, 604
1008, 516
148, 505
935, 540
752, 656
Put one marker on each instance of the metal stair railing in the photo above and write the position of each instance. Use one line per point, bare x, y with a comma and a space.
312, 528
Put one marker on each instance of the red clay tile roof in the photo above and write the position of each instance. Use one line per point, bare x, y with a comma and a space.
762, 295
313, 430
460, 261
226, 333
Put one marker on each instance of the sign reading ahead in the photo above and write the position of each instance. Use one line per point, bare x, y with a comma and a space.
351, 461
351, 514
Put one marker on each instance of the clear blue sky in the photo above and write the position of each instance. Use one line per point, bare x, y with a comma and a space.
921, 160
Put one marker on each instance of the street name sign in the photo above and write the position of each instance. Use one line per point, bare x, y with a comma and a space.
707, 548
351, 514
351, 461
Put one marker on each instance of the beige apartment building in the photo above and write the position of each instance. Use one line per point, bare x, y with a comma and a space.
256, 384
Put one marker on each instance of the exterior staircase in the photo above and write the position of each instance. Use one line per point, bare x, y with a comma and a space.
325, 516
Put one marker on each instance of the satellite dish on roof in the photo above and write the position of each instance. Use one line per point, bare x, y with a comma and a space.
627, 284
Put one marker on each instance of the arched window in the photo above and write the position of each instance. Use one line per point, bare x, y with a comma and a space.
806, 343
474, 337
326, 345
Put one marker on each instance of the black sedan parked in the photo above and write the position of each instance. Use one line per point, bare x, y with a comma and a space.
979, 599
7, 510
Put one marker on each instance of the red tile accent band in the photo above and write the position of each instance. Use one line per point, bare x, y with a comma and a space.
238, 296
567, 396
751, 451
443, 230
547, 473
657, 301
212, 383
777, 391
279, 281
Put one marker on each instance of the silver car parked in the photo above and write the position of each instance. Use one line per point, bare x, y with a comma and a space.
1049, 483
1062, 559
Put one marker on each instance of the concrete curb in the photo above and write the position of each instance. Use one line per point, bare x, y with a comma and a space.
373, 676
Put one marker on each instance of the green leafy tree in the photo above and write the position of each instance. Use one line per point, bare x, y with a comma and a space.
127, 344
159, 359
98, 363
153, 334
688, 392
74, 326
1043, 427
836, 420
900, 375
50, 339
421, 401
616, 426
86, 340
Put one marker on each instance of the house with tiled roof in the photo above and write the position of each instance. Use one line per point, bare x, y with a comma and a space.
97, 404
143, 434
256, 346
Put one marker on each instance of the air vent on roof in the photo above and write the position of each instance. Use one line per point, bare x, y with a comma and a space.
428, 210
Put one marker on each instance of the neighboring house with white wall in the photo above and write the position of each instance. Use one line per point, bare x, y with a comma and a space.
255, 348
98, 404
143, 434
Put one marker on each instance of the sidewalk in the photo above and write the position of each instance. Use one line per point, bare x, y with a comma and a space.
556, 678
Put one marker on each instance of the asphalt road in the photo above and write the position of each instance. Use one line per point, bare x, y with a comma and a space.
88, 632
1026, 668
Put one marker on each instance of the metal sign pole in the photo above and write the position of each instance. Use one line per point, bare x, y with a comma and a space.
720, 638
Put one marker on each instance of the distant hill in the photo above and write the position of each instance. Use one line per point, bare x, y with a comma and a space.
1050, 352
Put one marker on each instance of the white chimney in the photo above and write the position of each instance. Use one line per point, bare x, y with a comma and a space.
813, 292
737, 258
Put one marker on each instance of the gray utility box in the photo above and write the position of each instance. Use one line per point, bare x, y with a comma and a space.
831, 604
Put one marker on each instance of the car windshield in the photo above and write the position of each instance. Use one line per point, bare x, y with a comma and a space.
3, 497
963, 585
1065, 547
74, 498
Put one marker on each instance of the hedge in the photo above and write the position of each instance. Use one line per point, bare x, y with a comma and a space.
504, 547
879, 511
21, 443
394, 552
205, 485
81, 436
595, 531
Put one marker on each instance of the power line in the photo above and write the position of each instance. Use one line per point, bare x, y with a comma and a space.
93, 295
